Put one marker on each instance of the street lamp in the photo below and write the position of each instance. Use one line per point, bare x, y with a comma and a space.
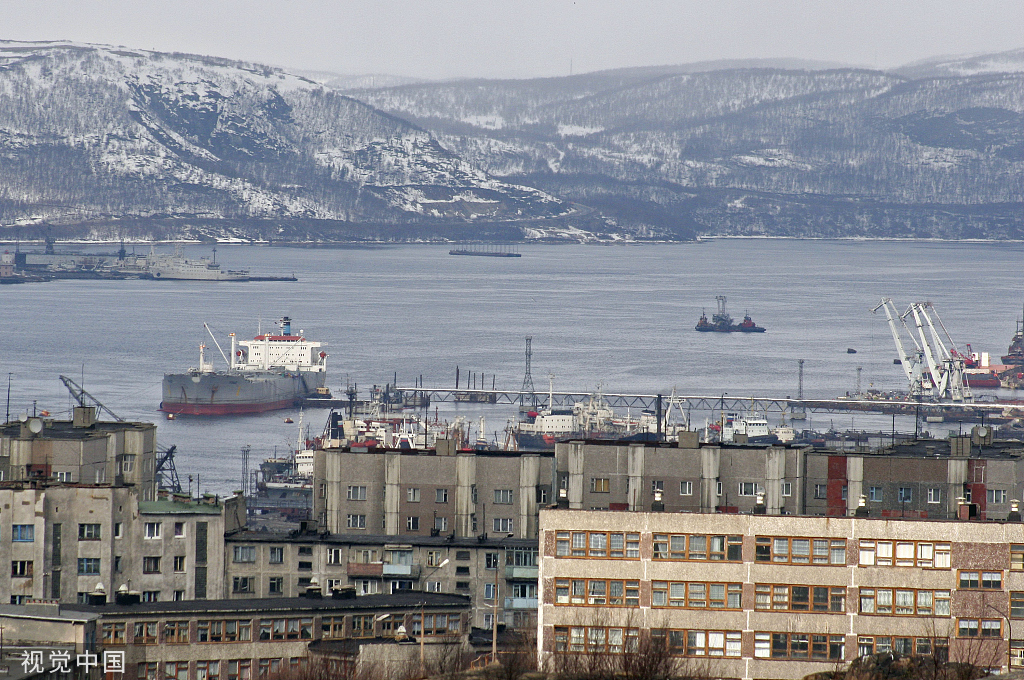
423, 619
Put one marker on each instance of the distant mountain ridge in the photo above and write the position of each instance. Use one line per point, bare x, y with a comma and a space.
95, 134
102, 139
756, 151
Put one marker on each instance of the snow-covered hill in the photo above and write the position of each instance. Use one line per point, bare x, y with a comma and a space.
93, 133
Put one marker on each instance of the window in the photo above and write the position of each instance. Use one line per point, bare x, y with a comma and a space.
698, 642
118, 528
440, 495
787, 489
799, 598
934, 495
600, 485
362, 626
276, 555
367, 586
503, 496
657, 485
595, 639
152, 530
179, 563
904, 554
275, 585
718, 489
597, 544
434, 558
305, 550
176, 632
357, 493
150, 595
522, 557
820, 491
150, 565
88, 532
178, 595
207, 670
88, 565
984, 627
114, 634
305, 566
698, 547
904, 602
23, 533
875, 493
783, 550
412, 523
697, 595
224, 631
992, 580
905, 495
441, 524
997, 495
244, 553
750, 489
242, 584
489, 591
1017, 605
412, 495
145, 632
685, 488
593, 592
356, 522
490, 560
23, 568
503, 525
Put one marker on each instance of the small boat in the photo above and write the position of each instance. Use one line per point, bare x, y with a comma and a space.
288, 420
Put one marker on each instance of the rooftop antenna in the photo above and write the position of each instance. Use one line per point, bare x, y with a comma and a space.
528, 378
800, 412
245, 469
859, 369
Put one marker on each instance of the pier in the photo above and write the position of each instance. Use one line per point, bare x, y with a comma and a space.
722, 402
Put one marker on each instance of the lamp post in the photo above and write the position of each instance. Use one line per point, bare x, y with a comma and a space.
423, 620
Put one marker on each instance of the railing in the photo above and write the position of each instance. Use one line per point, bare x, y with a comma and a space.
412, 570
513, 571
520, 603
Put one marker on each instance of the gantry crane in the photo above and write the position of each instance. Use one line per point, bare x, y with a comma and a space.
931, 368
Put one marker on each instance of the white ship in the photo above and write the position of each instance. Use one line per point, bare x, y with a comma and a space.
179, 267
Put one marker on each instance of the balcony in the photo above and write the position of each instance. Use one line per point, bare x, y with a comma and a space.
520, 603
512, 571
365, 569
411, 570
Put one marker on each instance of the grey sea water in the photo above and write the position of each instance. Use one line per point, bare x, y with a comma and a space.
618, 317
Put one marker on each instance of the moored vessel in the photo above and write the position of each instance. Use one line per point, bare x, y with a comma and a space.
179, 267
721, 322
266, 373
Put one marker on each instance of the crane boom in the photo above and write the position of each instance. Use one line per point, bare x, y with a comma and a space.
911, 363
79, 394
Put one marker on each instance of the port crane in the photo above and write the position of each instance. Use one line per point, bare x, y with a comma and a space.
166, 473
931, 368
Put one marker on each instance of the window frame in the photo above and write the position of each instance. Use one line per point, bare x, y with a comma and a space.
594, 547
767, 550
667, 548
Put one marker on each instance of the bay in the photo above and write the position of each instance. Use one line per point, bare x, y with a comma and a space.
616, 317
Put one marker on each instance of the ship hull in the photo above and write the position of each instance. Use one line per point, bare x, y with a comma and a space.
237, 393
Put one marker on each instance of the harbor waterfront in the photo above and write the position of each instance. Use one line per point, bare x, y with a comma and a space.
618, 318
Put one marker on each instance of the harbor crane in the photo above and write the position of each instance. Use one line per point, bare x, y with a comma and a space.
166, 473
931, 368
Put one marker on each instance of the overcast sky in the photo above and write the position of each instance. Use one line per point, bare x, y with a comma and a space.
528, 38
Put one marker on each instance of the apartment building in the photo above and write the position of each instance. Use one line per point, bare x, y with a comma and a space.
423, 493
928, 478
64, 540
234, 639
497, 573
790, 595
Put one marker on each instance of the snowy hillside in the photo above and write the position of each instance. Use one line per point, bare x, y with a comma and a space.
90, 133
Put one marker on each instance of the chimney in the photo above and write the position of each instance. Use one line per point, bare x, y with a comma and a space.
759, 506
862, 507
658, 505
83, 416
1014, 515
563, 499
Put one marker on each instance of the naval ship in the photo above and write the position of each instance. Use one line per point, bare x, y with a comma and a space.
266, 373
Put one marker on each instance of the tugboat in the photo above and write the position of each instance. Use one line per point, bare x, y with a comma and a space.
721, 322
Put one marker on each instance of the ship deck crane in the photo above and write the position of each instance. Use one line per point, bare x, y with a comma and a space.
166, 473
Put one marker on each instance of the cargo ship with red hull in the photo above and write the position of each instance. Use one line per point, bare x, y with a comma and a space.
267, 373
